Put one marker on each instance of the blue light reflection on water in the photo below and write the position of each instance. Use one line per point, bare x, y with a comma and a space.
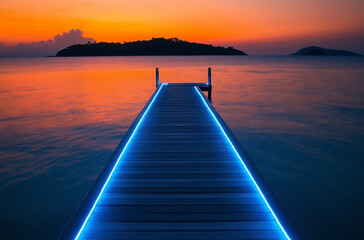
300, 119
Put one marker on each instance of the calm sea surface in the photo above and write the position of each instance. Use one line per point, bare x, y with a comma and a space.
301, 119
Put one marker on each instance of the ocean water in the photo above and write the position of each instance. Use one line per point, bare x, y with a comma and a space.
301, 119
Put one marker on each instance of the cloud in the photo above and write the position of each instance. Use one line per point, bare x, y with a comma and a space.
45, 48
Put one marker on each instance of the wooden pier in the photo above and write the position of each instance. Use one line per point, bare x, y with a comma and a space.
179, 173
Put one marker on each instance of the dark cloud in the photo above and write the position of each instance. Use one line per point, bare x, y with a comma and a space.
45, 48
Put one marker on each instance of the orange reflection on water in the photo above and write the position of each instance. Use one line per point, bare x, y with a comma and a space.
75, 97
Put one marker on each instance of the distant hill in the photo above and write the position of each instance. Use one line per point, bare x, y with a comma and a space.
153, 47
319, 51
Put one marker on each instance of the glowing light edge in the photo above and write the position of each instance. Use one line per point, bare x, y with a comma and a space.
241, 160
117, 162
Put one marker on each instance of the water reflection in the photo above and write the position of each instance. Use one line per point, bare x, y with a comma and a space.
300, 119
304, 129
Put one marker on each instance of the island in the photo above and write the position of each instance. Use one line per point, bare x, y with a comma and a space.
153, 47
319, 51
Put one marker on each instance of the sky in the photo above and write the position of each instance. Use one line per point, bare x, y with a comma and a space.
261, 27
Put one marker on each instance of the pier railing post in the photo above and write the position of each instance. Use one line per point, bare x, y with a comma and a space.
156, 77
209, 76
209, 84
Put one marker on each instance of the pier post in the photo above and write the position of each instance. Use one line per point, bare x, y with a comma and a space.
156, 77
209, 77
209, 84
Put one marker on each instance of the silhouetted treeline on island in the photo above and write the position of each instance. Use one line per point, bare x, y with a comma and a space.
155, 46
319, 51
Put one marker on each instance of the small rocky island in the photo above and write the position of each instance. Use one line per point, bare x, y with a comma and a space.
153, 47
319, 51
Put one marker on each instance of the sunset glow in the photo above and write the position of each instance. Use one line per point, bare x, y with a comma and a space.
230, 22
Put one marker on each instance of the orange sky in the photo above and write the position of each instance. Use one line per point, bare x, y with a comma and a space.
215, 21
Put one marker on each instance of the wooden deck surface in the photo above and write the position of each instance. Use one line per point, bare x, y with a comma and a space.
178, 178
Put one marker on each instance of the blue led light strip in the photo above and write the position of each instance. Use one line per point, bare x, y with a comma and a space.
241, 160
116, 164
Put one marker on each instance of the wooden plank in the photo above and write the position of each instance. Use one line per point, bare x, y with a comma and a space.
182, 235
